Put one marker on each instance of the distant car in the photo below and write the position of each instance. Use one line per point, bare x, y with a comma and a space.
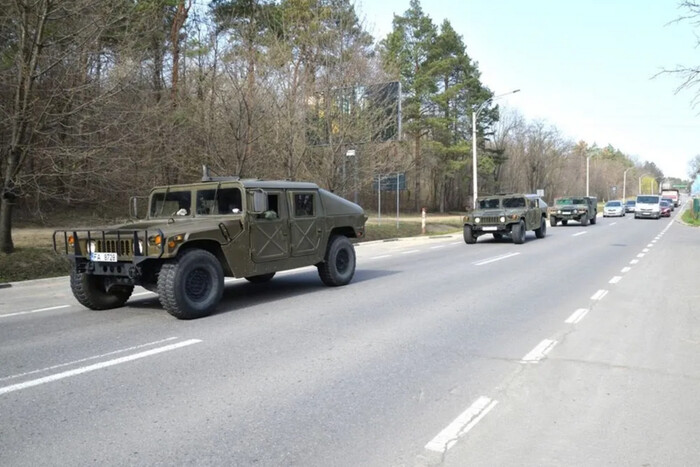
630, 205
670, 202
613, 209
666, 208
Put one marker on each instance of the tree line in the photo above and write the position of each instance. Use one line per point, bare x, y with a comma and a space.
103, 99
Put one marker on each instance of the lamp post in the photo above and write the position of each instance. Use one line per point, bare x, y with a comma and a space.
624, 184
639, 191
475, 114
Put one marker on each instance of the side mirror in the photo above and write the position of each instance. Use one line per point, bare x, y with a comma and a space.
259, 202
135, 202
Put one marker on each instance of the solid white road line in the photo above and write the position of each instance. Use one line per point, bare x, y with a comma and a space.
615, 280
539, 352
626, 269
495, 258
577, 316
461, 425
96, 366
409, 252
580, 233
35, 311
599, 294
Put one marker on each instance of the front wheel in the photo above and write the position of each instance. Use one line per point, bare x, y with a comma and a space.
518, 233
553, 221
593, 219
91, 291
338, 266
191, 286
542, 231
469, 237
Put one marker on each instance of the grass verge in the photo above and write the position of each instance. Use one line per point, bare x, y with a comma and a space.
32, 263
689, 217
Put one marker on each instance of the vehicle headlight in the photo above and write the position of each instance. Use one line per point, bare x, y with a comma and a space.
558, 211
575, 211
502, 218
477, 220
92, 247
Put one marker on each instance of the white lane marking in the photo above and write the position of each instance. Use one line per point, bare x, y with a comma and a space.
599, 294
580, 233
653, 241
142, 293
634, 261
626, 269
380, 257
456, 243
409, 252
613, 223
495, 258
292, 271
75, 362
640, 255
461, 425
615, 280
539, 352
35, 311
650, 245
436, 247
94, 367
646, 250
577, 316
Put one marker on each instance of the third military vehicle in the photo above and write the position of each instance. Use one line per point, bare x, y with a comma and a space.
195, 235
506, 215
583, 209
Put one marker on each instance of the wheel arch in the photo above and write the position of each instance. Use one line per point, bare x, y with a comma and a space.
212, 247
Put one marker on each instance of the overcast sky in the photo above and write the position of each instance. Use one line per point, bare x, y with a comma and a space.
585, 67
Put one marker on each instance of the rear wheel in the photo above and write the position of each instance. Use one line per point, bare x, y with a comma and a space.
518, 233
191, 286
469, 237
594, 219
338, 266
553, 221
542, 231
564, 222
91, 291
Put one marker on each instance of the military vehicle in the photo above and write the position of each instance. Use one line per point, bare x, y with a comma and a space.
194, 235
583, 209
506, 215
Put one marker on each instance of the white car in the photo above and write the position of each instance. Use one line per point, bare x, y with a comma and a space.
613, 209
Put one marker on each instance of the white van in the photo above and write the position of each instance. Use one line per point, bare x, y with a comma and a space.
648, 206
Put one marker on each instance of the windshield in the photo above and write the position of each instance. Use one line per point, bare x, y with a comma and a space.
613, 204
563, 201
172, 203
631, 202
490, 203
514, 203
648, 199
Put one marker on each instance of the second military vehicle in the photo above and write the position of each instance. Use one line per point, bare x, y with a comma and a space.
195, 235
506, 215
583, 209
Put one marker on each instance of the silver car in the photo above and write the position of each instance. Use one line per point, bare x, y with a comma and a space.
613, 209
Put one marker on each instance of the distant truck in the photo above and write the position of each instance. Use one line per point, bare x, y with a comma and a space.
673, 194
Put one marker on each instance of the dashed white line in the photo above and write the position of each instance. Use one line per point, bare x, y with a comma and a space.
646, 250
626, 269
615, 280
650, 245
613, 223
96, 366
539, 352
380, 257
59, 307
461, 425
409, 252
580, 233
495, 258
455, 243
634, 261
142, 293
640, 255
436, 247
599, 294
577, 316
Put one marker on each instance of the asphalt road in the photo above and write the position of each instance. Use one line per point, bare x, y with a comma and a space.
582, 348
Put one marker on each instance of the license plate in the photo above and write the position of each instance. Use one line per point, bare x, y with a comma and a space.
566, 212
489, 229
103, 257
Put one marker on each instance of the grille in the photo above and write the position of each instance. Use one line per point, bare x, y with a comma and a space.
490, 220
120, 247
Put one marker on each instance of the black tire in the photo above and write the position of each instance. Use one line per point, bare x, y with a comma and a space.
595, 219
498, 237
553, 221
90, 291
542, 231
191, 286
584, 220
338, 266
564, 222
518, 233
469, 237
259, 279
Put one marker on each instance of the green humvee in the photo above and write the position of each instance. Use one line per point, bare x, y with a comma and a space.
195, 235
583, 209
506, 215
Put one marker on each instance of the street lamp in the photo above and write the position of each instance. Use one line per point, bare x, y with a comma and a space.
588, 165
639, 191
624, 184
475, 114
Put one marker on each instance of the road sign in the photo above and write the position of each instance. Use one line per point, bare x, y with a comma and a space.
390, 182
681, 186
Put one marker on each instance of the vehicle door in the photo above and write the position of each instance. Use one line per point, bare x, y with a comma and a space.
305, 223
532, 214
269, 231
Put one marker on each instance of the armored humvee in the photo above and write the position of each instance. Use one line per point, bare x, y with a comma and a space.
195, 235
583, 209
506, 215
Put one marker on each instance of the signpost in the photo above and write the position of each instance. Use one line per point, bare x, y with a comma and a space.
389, 182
